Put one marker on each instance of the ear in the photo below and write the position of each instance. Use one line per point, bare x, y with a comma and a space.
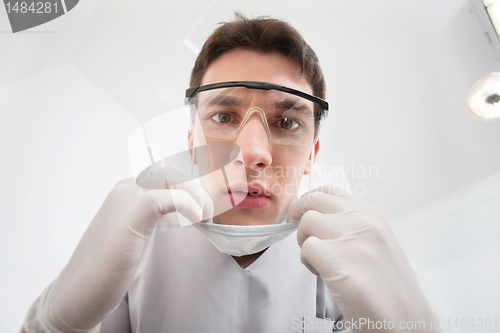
308, 166
190, 138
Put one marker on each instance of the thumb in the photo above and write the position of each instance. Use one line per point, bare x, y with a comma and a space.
310, 250
157, 203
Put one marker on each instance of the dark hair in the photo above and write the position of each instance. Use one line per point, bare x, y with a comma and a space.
264, 35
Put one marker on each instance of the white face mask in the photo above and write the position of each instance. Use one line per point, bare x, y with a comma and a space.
241, 240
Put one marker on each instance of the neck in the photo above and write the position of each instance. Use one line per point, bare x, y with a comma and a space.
245, 261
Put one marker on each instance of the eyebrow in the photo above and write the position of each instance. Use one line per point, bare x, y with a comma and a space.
289, 104
225, 101
285, 104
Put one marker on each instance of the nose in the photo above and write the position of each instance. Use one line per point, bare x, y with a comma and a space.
254, 144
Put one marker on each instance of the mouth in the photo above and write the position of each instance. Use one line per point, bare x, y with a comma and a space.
248, 195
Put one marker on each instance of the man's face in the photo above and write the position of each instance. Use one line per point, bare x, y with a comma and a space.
273, 171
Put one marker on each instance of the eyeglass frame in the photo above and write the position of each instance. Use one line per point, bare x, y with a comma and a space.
323, 105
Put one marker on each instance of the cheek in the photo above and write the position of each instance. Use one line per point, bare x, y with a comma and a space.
290, 166
199, 140
293, 159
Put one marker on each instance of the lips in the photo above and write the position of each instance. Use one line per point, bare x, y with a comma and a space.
248, 195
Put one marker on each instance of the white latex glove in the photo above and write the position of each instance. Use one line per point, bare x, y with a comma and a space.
351, 246
103, 265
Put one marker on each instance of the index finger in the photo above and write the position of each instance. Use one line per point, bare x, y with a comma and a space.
200, 196
331, 189
321, 202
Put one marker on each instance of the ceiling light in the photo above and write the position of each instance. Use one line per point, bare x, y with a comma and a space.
483, 100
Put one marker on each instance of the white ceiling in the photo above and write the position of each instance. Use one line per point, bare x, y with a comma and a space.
397, 74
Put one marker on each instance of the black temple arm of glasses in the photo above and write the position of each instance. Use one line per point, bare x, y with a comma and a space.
262, 86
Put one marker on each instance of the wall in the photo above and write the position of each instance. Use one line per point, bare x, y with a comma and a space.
63, 146
453, 246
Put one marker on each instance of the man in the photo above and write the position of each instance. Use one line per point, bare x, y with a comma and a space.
135, 270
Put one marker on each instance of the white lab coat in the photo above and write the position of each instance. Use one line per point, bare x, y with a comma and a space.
184, 284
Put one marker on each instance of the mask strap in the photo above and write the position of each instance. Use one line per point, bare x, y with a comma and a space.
311, 168
150, 152
192, 160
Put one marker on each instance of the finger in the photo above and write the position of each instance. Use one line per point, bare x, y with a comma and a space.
201, 196
194, 189
151, 205
305, 254
126, 183
330, 189
321, 202
329, 226
319, 257
313, 223
177, 200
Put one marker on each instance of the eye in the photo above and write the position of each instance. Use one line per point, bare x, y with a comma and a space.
222, 117
288, 124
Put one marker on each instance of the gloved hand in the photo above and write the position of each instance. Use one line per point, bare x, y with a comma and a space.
103, 265
351, 246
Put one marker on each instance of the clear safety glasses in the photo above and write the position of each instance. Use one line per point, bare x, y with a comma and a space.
219, 111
